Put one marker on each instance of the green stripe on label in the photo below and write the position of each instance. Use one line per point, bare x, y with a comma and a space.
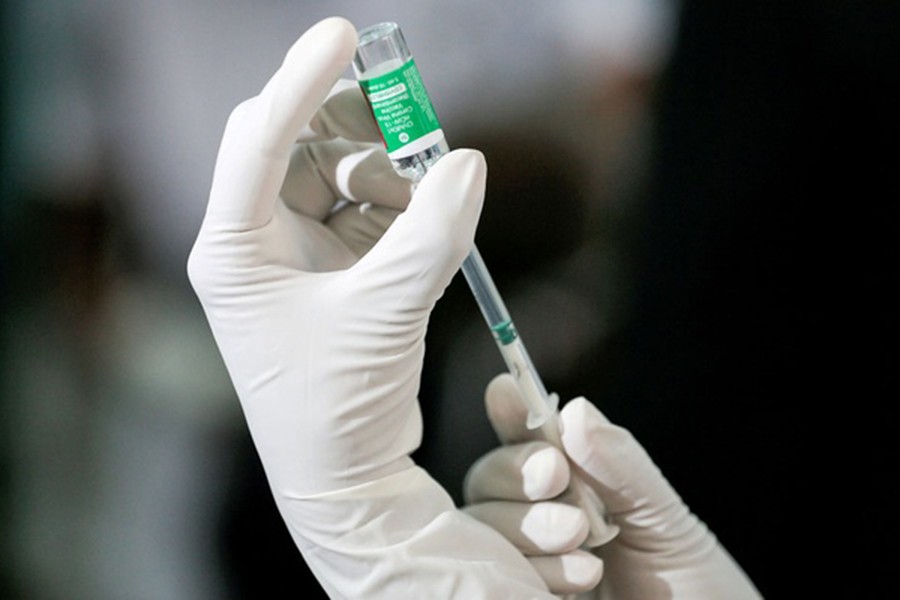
401, 106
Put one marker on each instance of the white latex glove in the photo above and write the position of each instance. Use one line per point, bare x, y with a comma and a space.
319, 309
662, 550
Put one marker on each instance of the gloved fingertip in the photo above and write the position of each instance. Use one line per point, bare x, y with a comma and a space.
474, 165
582, 410
334, 32
468, 160
442, 215
463, 171
552, 527
610, 456
310, 69
503, 381
505, 409
585, 431
572, 573
545, 473
583, 569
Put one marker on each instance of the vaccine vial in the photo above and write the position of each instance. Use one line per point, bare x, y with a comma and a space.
393, 88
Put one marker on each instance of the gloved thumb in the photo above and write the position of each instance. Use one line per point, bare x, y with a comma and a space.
621, 472
424, 247
661, 544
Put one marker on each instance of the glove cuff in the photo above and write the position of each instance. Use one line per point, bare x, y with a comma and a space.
383, 538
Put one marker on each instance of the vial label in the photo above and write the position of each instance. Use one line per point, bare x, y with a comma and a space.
403, 111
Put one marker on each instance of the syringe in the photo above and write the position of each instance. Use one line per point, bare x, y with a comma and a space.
414, 140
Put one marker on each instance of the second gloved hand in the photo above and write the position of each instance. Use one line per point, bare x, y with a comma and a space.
662, 549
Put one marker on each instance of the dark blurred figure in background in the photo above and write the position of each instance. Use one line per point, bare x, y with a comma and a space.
759, 360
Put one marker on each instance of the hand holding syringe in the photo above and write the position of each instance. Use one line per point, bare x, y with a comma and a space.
542, 406
414, 141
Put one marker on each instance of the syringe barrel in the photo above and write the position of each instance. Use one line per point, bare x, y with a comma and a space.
485, 292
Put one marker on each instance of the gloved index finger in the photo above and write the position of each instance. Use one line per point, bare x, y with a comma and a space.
507, 411
253, 157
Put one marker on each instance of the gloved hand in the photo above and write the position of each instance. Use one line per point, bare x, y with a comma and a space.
319, 308
662, 549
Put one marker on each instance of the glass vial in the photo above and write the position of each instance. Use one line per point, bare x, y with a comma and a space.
393, 88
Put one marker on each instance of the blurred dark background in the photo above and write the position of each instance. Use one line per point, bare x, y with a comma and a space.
691, 213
